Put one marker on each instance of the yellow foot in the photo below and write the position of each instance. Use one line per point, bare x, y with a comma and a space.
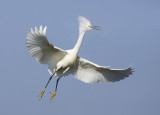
53, 94
41, 94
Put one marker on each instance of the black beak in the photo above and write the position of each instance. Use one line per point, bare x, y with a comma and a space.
96, 27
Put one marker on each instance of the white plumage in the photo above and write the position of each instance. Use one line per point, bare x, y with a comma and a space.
63, 62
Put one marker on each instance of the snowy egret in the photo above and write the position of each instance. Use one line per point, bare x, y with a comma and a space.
64, 62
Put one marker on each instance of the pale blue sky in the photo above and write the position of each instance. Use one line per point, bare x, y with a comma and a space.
130, 35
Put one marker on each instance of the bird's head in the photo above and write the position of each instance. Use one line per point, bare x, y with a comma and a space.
85, 24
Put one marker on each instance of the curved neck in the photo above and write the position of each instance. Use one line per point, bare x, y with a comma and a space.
80, 40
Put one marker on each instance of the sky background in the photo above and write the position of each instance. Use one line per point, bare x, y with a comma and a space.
130, 35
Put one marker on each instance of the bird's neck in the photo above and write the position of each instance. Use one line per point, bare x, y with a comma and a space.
80, 40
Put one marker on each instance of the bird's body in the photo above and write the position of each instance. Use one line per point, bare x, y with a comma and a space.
66, 62
63, 62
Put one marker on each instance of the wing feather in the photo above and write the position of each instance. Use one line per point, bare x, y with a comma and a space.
89, 72
42, 50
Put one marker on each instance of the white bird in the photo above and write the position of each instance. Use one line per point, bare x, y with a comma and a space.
64, 62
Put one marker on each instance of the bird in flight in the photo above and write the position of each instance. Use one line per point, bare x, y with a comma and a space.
64, 62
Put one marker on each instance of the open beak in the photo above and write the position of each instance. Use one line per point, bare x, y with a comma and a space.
96, 27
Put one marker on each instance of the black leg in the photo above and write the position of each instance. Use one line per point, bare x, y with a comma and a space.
53, 94
49, 80
41, 94
57, 83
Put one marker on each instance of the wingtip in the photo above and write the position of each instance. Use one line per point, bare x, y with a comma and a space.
131, 69
32, 30
40, 29
44, 30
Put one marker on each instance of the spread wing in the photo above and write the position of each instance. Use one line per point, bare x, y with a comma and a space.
42, 50
89, 72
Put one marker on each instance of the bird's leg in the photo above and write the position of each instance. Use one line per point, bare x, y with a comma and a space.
53, 94
41, 94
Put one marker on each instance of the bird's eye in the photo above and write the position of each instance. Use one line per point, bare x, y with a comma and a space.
90, 26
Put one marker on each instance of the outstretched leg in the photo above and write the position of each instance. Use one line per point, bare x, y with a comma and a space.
41, 94
53, 94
